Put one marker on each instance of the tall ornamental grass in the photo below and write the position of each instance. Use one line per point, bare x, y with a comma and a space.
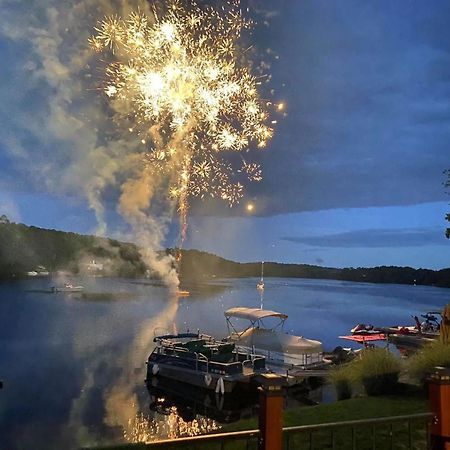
429, 356
376, 368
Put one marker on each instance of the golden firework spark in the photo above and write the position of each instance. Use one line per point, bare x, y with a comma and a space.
178, 79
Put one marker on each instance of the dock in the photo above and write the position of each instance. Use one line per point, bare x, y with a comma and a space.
294, 376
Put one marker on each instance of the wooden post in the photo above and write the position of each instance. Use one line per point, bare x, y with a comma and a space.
271, 402
439, 397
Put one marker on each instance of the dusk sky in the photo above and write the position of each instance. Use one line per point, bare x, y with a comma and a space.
352, 177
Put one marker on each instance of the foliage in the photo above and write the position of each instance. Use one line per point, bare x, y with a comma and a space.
376, 368
429, 356
23, 248
342, 377
371, 361
199, 265
376, 361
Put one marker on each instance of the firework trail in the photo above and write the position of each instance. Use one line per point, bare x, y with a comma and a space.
178, 80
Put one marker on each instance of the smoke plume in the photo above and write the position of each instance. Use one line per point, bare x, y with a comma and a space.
62, 135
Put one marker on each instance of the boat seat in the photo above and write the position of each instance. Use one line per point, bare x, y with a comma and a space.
197, 345
226, 348
222, 357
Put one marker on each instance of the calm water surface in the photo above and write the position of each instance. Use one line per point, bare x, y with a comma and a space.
73, 366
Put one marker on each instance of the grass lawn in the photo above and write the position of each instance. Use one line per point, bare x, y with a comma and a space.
353, 409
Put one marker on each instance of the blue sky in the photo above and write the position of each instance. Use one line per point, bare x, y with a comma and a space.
352, 177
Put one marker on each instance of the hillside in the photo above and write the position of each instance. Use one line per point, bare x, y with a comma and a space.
23, 248
196, 264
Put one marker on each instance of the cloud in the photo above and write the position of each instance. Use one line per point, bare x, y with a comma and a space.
358, 79
376, 238
9, 208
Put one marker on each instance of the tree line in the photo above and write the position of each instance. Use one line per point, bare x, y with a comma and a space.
23, 248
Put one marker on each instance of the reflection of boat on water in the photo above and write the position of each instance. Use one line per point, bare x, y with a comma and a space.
203, 361
279, 348
68, 287
181, 293
260, 285
195, 401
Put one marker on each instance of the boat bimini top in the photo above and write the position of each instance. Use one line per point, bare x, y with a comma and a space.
253, 314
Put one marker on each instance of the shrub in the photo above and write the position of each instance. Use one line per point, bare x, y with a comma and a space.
376, 361
342, 378
376, 368
429, 356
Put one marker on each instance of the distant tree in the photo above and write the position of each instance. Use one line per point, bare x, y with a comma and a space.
4, 219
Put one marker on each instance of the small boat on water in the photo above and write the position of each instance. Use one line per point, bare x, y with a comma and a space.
404, 335
203, 361
279, 348
68, 287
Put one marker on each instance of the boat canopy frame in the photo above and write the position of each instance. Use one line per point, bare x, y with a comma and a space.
255, 316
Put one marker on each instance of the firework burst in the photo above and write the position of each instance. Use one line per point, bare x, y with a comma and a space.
179, 83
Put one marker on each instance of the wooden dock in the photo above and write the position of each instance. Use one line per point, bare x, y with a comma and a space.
294, 376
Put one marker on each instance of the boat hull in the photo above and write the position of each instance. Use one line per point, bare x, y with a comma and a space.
188, 371
411, 340
64, 289
289, 360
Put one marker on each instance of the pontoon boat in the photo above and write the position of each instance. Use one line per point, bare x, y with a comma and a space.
277, 346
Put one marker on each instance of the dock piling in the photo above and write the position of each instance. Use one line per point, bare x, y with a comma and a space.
271, 403
439, 396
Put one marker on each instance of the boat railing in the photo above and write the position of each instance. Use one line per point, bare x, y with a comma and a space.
201, 359
247, 367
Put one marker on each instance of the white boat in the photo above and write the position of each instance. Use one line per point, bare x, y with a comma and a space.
279, 348
67, 288
42, 271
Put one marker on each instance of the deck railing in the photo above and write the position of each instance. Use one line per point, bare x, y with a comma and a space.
388, 433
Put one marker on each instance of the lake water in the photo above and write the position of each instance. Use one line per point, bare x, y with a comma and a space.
73, 366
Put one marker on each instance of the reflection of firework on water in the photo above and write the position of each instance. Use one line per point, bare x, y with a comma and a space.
146, 430
179, 83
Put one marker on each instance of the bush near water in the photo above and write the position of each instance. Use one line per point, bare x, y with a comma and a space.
435, 354
377, 369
